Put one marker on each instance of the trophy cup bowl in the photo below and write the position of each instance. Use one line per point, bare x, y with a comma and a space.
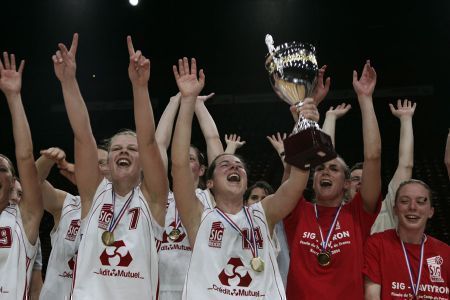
293, 70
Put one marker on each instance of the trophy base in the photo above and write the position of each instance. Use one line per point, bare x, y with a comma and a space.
308, 148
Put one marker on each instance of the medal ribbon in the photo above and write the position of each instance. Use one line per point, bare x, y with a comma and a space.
177, 218
115, 221
324, 244
252, 231
415, 288
253, 247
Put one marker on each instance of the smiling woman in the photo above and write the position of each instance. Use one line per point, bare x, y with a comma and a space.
19, 221
418, 264
121, 212
230, 236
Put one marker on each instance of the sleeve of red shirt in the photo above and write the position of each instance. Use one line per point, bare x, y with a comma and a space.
365, 219
291, 221
372, 257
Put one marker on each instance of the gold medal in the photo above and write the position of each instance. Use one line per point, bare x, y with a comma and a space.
174, 234
257, 264
324, 258
108, 238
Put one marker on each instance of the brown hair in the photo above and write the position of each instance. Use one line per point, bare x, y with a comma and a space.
415, 181
212, 166
11, 166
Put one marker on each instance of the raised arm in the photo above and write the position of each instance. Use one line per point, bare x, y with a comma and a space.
371, 176
155, 183
233, 143
277, 143
447, 154
329, 125
87, 172
322, 87
214, 146
189, 207
277, 206
53, 198
405, 113
164, 129
31, 206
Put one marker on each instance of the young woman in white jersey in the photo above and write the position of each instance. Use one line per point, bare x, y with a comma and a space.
232, 253
117, 253
19, 223
66, 212
35, 285
174, 253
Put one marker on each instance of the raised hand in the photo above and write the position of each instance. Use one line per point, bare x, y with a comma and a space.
339, 111
366, 84
186, 78
139, 67
277, 142
308, 110
405, 110
10, 78
64, 61
55, 154
234, 140
322, 88
68, 170
59, 157
204, 98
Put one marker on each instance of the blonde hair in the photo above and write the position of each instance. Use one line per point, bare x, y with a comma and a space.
123, 131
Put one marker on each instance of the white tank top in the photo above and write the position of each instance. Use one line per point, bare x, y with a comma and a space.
65, 240
174, 255
129, 268
220, 264
16, 255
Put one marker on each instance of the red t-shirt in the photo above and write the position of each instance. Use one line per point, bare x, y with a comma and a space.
385, 264
342, 279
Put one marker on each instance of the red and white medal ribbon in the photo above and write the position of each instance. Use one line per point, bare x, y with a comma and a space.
177, 218
253, 247
415, 288
252, 232
115, 221
324, 244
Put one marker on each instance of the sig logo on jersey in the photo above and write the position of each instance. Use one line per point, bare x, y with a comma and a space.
216, 235
105, 216
235, 274
116, 255
5, 237
434, 267
72, 232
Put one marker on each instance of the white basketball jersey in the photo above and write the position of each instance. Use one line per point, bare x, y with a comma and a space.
65, 240
174, 255
128, 269
220, 264
16, 255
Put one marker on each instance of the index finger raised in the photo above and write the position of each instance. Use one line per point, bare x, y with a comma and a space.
130, 46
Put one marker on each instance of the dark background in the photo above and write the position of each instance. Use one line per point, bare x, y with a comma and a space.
408, 43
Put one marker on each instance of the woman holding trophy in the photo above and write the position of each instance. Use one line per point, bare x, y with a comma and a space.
326, 237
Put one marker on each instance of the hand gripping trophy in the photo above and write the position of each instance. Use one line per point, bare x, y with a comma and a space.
293, 71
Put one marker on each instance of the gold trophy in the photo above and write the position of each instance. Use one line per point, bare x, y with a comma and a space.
293, 73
